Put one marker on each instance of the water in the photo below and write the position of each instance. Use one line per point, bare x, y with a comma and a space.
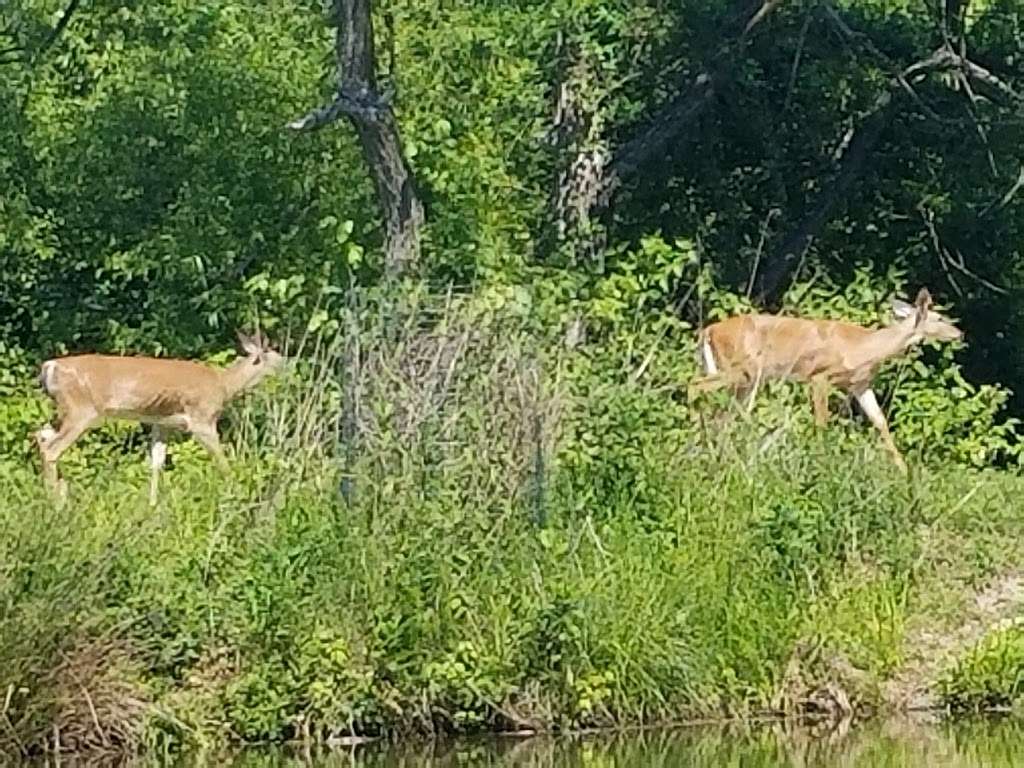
992, 743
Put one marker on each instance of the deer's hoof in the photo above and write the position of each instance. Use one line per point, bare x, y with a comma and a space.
45, 435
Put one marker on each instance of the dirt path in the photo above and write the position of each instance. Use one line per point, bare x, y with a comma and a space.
931, 649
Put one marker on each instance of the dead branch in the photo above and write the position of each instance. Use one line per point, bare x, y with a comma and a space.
360, 101
851, 159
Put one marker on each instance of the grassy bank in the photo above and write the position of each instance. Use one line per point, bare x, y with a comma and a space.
445, 525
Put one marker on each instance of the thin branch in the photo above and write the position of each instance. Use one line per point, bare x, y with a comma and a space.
960, 265
1005, 199
976, 119
58, 29
946, 260
762, 241
761, 15
791, 86
928, 217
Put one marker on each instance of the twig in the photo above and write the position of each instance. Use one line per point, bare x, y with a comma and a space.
982, 133
928, 217
960, 266
796, 60
58, 29
760, 15
946, 260
1005, 199
772, 213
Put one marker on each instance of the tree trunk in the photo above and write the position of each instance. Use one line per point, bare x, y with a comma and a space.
582, 156
359, 99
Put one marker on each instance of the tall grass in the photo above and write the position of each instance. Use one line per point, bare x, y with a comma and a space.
440, 521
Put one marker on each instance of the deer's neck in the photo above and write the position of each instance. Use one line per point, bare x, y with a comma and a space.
893, 339
241, 375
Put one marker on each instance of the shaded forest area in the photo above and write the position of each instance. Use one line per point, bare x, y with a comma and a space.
155, 197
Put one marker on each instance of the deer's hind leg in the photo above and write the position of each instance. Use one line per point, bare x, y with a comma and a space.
819, 400
53, 442
207, 436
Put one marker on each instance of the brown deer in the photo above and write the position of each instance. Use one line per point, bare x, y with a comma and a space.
169, 394
743, 351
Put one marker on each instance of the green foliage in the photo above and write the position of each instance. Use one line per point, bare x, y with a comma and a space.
476, 575
989, 675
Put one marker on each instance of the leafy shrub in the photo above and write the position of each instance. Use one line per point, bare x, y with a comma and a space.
989, 675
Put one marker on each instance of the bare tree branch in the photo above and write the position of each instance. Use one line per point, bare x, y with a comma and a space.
1005, 199
761, 15
359, 100
852, 159
992, 84
682, 111
794, 70
946, 260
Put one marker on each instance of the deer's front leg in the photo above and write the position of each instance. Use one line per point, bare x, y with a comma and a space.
869, 404
819, 400
53, 442
206, 435
157, 458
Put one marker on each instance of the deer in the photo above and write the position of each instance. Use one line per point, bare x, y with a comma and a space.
743, 351
169, 394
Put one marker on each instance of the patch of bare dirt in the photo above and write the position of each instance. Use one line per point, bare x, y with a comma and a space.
931, 649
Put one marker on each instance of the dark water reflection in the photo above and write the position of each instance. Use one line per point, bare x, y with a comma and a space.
892, 744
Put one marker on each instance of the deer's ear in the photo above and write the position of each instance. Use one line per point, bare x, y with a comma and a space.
248, 343
923, 304
901, 310
923, 300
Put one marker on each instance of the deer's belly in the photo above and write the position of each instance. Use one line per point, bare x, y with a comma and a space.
171, 421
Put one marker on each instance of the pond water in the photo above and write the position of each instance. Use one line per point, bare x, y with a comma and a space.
992, 743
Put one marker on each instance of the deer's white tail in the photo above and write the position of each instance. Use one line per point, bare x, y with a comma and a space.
46, 376
706, 355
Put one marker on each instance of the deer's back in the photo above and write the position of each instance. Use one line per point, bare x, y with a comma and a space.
144, 388
781, 347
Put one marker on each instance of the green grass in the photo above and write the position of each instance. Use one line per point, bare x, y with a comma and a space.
520, 548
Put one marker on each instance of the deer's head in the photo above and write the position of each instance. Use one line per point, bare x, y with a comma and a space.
929, 325
262, 358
